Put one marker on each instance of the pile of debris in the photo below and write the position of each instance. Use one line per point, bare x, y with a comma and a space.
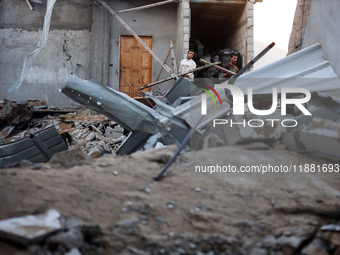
78, 128
52, 234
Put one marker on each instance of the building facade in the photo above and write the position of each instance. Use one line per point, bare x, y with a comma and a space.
86, 40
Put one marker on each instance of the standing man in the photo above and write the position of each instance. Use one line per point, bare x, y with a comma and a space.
188, 64
231, 65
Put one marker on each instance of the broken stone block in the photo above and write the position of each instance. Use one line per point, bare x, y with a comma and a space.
90, 137
316, 247
70, 222
112, 134
118, 128
72, 238
129, 227
321, 135
30, 229
108, 131
73, 251
132, 250
120, 139
96, 129
258, 251
288, 241
95, 151
269, 242
99, 136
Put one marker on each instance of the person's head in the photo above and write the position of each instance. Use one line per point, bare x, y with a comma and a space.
190, 54
233, 58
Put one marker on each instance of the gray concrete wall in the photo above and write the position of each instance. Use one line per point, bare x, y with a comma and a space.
67, 50
323, 27
159, 22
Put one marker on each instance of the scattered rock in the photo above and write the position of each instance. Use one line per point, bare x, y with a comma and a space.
269, 242
90, 137
73, 238
130, 250
95, 152
160, 219
73, 251
128, 227
258, 251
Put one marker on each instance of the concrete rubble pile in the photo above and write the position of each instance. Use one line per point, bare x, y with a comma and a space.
52, 233
78, 128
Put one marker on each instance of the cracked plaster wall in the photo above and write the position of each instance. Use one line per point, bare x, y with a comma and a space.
67, 50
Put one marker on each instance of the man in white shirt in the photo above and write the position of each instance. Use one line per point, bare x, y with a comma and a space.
188, 64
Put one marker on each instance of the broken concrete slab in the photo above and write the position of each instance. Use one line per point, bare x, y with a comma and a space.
95, 151
321, 137
112, 134
327, 101
73, 251
30, 229
73, 238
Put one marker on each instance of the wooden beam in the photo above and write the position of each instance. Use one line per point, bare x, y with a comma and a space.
162, 66
168, 69
147, 6
29, 5
190, 71
217, 67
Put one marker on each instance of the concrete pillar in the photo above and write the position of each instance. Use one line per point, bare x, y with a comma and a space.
249, 33
100, 45
183, 29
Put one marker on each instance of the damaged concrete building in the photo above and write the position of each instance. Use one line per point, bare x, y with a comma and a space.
121, 63
267, 185
85, 40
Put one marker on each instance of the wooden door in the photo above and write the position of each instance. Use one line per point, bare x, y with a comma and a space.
135, 64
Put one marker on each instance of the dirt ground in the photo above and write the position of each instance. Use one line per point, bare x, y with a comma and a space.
110, 189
